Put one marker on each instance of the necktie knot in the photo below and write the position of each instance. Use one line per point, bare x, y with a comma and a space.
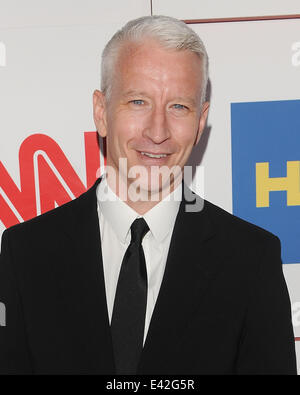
139, 228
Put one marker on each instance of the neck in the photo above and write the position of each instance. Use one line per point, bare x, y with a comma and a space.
141, 207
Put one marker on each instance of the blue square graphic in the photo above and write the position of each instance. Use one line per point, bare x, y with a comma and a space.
268, 134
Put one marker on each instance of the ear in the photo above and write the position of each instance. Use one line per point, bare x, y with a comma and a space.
202, 121
99, 107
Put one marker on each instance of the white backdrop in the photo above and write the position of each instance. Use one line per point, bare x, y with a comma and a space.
49, 66
206, 9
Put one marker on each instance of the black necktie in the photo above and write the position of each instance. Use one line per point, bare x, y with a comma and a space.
128, 318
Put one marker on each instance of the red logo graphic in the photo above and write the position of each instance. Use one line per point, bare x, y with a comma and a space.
46, 177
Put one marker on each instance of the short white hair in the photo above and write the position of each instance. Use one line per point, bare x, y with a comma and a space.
169, 32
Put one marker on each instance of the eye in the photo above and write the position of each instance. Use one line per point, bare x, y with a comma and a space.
137, 102
179, 107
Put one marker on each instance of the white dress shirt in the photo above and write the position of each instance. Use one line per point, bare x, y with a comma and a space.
115, 218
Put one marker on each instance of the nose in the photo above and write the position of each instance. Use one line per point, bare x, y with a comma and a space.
157, 127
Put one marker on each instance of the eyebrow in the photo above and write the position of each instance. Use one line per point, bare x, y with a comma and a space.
134, 93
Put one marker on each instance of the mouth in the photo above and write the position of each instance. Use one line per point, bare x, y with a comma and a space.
150, 155
151, 158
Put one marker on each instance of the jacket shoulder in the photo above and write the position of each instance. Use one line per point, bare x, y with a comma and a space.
236, 227
51, 221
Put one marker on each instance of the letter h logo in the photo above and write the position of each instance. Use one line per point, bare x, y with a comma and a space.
266, 184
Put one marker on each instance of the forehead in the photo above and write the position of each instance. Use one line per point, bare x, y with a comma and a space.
150, 64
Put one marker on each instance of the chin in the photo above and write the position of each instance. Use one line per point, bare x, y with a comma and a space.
145, 189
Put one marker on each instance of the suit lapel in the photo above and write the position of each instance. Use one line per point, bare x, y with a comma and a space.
82, 229
189, 270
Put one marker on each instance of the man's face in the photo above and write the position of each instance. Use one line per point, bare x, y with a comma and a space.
153, 116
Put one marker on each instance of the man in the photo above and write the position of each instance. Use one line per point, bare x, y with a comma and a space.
139, 275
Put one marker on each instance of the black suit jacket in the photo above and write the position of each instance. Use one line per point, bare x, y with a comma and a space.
223, 306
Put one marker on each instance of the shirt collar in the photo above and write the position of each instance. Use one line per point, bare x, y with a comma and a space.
160, 219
